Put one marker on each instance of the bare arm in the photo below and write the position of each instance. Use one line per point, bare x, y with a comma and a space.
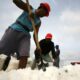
37, 30
22, 5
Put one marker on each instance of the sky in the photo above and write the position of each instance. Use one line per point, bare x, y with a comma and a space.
63, 22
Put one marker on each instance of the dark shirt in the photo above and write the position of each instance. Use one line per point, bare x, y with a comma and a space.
47, 46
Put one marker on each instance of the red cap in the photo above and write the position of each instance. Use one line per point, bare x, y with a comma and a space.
47, 7
49, 36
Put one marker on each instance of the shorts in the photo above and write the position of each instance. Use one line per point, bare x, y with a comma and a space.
15, 41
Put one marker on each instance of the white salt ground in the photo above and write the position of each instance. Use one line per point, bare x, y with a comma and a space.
68, 72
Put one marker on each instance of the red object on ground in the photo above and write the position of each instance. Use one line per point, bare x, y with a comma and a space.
73, 63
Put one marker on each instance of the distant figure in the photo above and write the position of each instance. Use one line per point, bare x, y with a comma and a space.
57, 59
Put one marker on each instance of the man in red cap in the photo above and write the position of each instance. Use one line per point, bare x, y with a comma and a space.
17, 36
46, 46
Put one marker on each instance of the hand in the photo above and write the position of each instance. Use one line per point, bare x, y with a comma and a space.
38, 50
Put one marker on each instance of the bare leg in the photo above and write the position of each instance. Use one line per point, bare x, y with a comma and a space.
22, 62
6, 63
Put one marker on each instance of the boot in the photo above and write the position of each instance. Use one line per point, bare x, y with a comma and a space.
22, 62
6, 63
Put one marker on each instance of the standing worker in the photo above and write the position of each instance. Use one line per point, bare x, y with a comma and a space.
57, 59
17, 36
